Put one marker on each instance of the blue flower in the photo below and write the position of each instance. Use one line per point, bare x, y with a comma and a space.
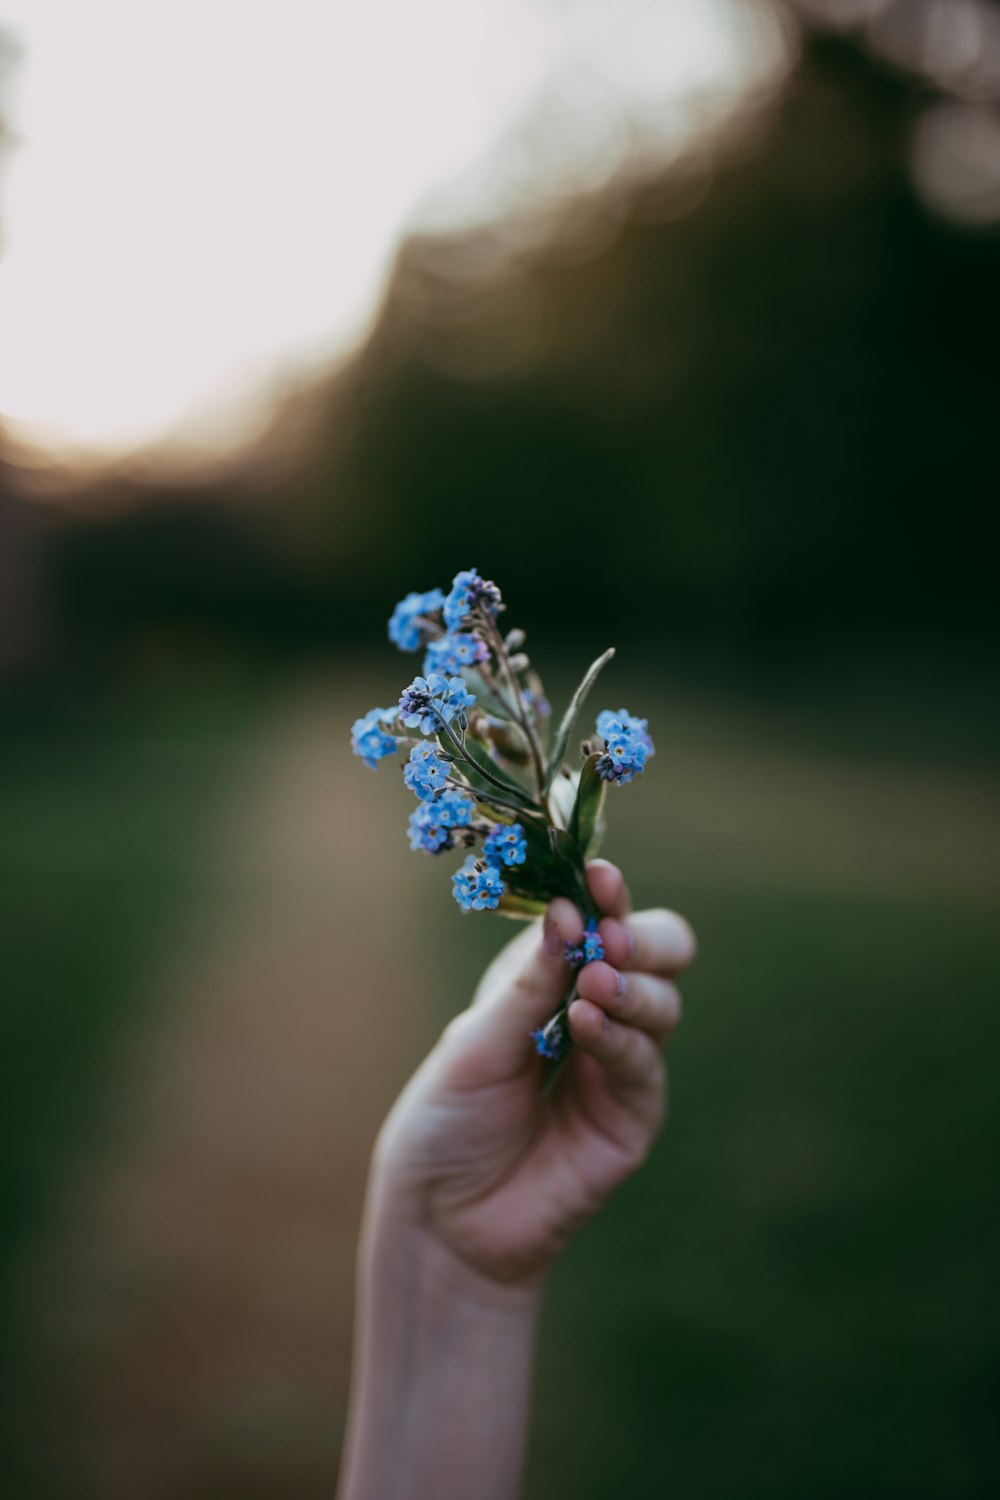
434, 823
505, 846
477, 887
468, 591
404, 626
593, 948
427, 832
454, 809
625, 747
425, 772
369, 740
453, 652
588, 949
428, 700
550, 1040
629, 721
416, 705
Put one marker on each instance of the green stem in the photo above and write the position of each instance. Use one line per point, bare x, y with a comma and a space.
491, 798
464, 754
554, 1066
521, 712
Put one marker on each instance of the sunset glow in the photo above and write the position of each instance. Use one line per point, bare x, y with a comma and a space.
206, 196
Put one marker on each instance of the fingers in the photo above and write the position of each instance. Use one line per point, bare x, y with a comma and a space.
662, 942
631, 1059
606, 884
659, 941
527, 982
502, 1019
645, 1001
617, 941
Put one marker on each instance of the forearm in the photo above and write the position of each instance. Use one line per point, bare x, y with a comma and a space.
442, 1372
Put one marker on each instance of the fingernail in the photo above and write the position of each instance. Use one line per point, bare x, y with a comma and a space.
621, 983
551, 941
605, 1021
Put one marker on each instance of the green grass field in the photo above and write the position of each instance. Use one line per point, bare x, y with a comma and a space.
102, 869
795, 1298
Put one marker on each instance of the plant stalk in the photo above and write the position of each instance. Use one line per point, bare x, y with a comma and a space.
535, 750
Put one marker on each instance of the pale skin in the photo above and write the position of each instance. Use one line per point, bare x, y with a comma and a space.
478, 1182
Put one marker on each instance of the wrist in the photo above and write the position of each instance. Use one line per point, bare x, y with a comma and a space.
442, 1367
398, 1243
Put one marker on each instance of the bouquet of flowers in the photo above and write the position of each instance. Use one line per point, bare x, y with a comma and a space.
488, 773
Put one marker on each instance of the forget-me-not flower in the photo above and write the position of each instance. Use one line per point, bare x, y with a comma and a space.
550, 1040
429, 700
588, 949
477, 887
450, 653
425, 772
505, 846
467, 591
639, 727
369, 739
434, 822
427, 832
625, 750
404, 625
454, 809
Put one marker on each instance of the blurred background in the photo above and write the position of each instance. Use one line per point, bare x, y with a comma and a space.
681, 320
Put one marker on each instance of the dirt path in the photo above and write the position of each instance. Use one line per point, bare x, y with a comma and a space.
198, 1304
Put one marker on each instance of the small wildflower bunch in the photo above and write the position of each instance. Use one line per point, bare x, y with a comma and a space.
489, 774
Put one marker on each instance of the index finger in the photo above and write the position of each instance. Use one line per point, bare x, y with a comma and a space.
606, 884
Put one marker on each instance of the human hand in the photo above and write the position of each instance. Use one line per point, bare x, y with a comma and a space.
473, 1156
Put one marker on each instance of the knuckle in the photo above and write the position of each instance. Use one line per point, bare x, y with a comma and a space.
634, 1050
455, 1034
653, 1061
628, 1003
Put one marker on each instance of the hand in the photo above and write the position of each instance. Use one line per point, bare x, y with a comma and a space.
473, 1156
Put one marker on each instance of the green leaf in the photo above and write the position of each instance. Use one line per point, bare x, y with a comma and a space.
569, 719
541, 860
486, 699
544, 873
552, 867
524, 908
569, 862
587, 823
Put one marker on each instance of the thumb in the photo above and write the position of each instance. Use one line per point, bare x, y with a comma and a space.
527, 982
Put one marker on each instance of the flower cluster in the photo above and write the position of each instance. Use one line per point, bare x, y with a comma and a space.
551, 1040
450, 653
426, 772
469, 591
431, 701
489, 768
627, 746
410, 624
587, 949
506, 845
477, 886
440, 822
369, 740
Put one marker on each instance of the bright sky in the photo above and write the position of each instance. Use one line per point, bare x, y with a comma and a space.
208, 193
